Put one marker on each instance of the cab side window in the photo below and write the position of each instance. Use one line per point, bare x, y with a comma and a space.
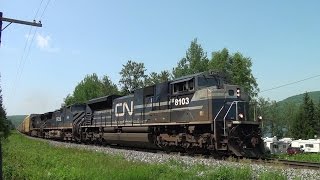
183, 86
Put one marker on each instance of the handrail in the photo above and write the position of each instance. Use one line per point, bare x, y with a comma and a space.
218, 113
224, 118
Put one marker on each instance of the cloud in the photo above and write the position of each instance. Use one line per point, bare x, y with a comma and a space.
43, 42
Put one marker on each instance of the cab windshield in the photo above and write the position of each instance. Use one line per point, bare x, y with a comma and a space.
237, 110
207, 81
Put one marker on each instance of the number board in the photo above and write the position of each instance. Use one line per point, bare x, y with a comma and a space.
180, 101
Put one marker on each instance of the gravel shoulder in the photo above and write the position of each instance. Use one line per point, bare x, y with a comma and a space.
188, 161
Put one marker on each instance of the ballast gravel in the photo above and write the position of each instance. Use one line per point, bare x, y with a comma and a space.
188, 161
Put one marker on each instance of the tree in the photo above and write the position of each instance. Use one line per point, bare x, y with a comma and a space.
277, 119
109, 87
297, 127
287, 114
236, 68
4, 124
132, 76
310, 118
156, 78
275, 123
317, 119
304, 125
269, 111
220, 62
263, 106
91, 87
195, 61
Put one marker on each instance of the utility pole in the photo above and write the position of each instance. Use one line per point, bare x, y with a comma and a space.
34, 23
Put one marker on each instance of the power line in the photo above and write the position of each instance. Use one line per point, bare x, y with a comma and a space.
295, 82
44, 10
25, 47
25, 54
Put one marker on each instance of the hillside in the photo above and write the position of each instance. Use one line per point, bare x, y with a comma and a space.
16, 119
297, 99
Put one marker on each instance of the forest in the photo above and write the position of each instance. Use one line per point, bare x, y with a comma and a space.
290, 119
300, 120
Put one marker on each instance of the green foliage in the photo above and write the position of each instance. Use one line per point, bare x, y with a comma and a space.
156, 78
25, 158
304, 125
275, 123
262, 109
108, 87
220, 62
16, 119
271, 113
224, 172
298, 99
287, 113
308, 157
272, 175
4, 123
91, 87
195, 61
317, 118
289, 119
132, 76
236, 68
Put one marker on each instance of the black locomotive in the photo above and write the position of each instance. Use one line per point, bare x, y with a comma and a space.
196, 113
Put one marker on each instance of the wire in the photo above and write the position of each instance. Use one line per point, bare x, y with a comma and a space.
38, 10
26, 43
295, 82
25, 54
44, 10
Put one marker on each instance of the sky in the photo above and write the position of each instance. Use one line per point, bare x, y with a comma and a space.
39, 67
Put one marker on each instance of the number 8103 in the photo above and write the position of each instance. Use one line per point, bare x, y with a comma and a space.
181, 101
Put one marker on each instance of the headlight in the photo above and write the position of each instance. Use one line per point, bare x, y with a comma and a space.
238, 92
241, 115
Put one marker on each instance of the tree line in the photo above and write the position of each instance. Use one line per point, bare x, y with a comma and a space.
277, 120
235, 67
5, 124
289, 119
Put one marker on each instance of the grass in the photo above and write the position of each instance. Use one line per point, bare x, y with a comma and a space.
272, 175
24, 158
308, 157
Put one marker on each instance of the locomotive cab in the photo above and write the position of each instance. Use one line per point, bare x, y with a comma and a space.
244, 136
233, 128
228, 110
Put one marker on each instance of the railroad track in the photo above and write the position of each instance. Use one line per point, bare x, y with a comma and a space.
299, 164
267, 161
291, 163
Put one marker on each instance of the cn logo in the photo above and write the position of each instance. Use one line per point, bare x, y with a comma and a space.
124, 108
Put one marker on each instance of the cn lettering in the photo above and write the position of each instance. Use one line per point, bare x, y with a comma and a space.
125, 107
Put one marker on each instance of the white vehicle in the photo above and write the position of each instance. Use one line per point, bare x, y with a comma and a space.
310, 145
276, 146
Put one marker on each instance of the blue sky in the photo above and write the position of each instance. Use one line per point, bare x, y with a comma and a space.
81, 37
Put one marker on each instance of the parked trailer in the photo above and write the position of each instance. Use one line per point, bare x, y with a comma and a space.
310, 145
275, 146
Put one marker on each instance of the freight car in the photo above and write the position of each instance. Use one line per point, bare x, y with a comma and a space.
196, 113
